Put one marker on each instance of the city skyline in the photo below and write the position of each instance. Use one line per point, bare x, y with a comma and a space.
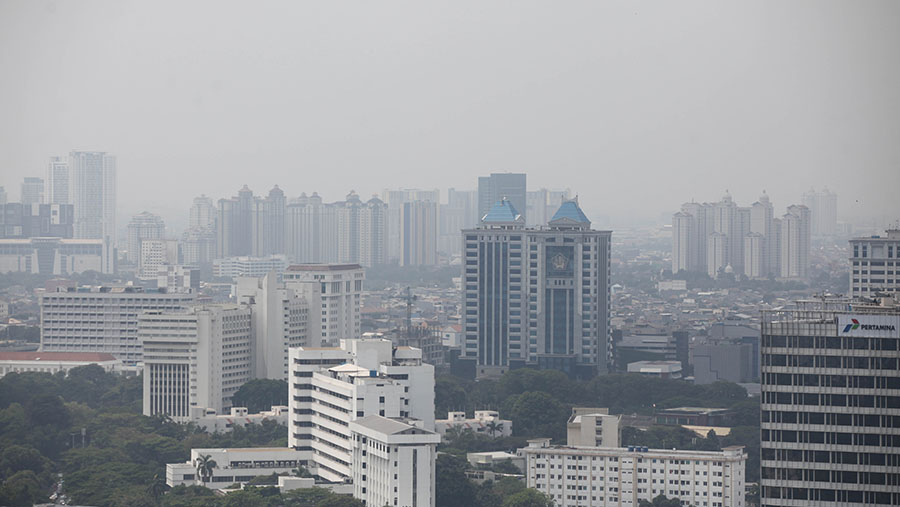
408, 110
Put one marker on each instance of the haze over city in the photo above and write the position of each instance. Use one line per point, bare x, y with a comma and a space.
634, 107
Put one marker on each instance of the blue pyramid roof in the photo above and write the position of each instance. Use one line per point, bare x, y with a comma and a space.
502, 212
571, 211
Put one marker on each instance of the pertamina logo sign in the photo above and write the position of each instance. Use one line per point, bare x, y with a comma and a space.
869, 325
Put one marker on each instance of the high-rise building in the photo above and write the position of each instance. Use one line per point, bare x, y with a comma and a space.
198, 246
234, 233
395, 201
32, 191
823, 212
304, 237
280, 321
875, 264
537, 296
101, 319
58, 181
203, 213
93, 192
830, 404
339, 288
542, 204
143, 226
332, 387
393, 461
195, 357
155, 255
418, 234
267, 224
497, 186
372, 233
4, 198
795, 237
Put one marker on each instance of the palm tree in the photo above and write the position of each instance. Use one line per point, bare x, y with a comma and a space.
205, 465
453, 433
493, 427
156, 488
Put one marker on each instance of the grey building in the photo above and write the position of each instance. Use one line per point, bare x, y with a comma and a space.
497, 186
536, 296
32, 190
21, 221
830, 430
875, 263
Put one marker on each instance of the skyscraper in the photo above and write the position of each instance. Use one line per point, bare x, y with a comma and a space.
234, 225
32, 191
830, 409
203, 213
552, 311
823, 212
143, 226
58, 181
502, 185
795, 235
93, 192
418, 236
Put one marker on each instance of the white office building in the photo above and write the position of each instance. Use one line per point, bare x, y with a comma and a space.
234, 465
156, 254
281, 320
196, 357
93, 189
622, 477
232, 267
143, 226
209, 420
795, 238
875, 264
101, 319
331, 387
339, 287
393, 462
55, 362
485, 422
593, 427
178, 278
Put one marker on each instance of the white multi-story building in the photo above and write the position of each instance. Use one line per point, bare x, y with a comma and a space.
142, 227
830, 403
58, 181
593, 427
339, 287
331, 387
418, 233
280, 321
56, 256
875, 264
156, 254
93, 190
485, 422
623, 477
211, 421
234, 465
178, 278
795, 237
101, 319
393, 462
55, 362
196, 357
232, 267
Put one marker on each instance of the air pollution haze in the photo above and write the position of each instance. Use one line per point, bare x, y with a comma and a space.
634, 106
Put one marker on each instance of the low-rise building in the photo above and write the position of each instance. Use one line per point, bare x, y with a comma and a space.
605, 476
393, 461
485, 422
593, 427
54, 362
238, 465
661, 369
212, 422
492, 458
256, 267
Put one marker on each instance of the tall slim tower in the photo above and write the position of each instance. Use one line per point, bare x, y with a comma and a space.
93, 187
795, 235
419, 234
58, 181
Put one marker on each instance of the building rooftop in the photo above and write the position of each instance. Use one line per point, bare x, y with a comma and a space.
56, 356
503, 212
569, 211
389, 426
323, 267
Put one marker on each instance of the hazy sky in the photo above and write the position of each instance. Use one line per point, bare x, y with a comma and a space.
635, 106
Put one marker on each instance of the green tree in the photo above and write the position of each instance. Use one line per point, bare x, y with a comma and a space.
157, 488
452, 488
528, 498
537, 414
260, 394
661, 501
494, 426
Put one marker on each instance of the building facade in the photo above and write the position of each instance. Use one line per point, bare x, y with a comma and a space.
256, 267
93, 192
393, 461
831, 404
143, 226
101, 319
32, 190
22, 221
196, 357
339, 288
55, 256
875, 264
58, 181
